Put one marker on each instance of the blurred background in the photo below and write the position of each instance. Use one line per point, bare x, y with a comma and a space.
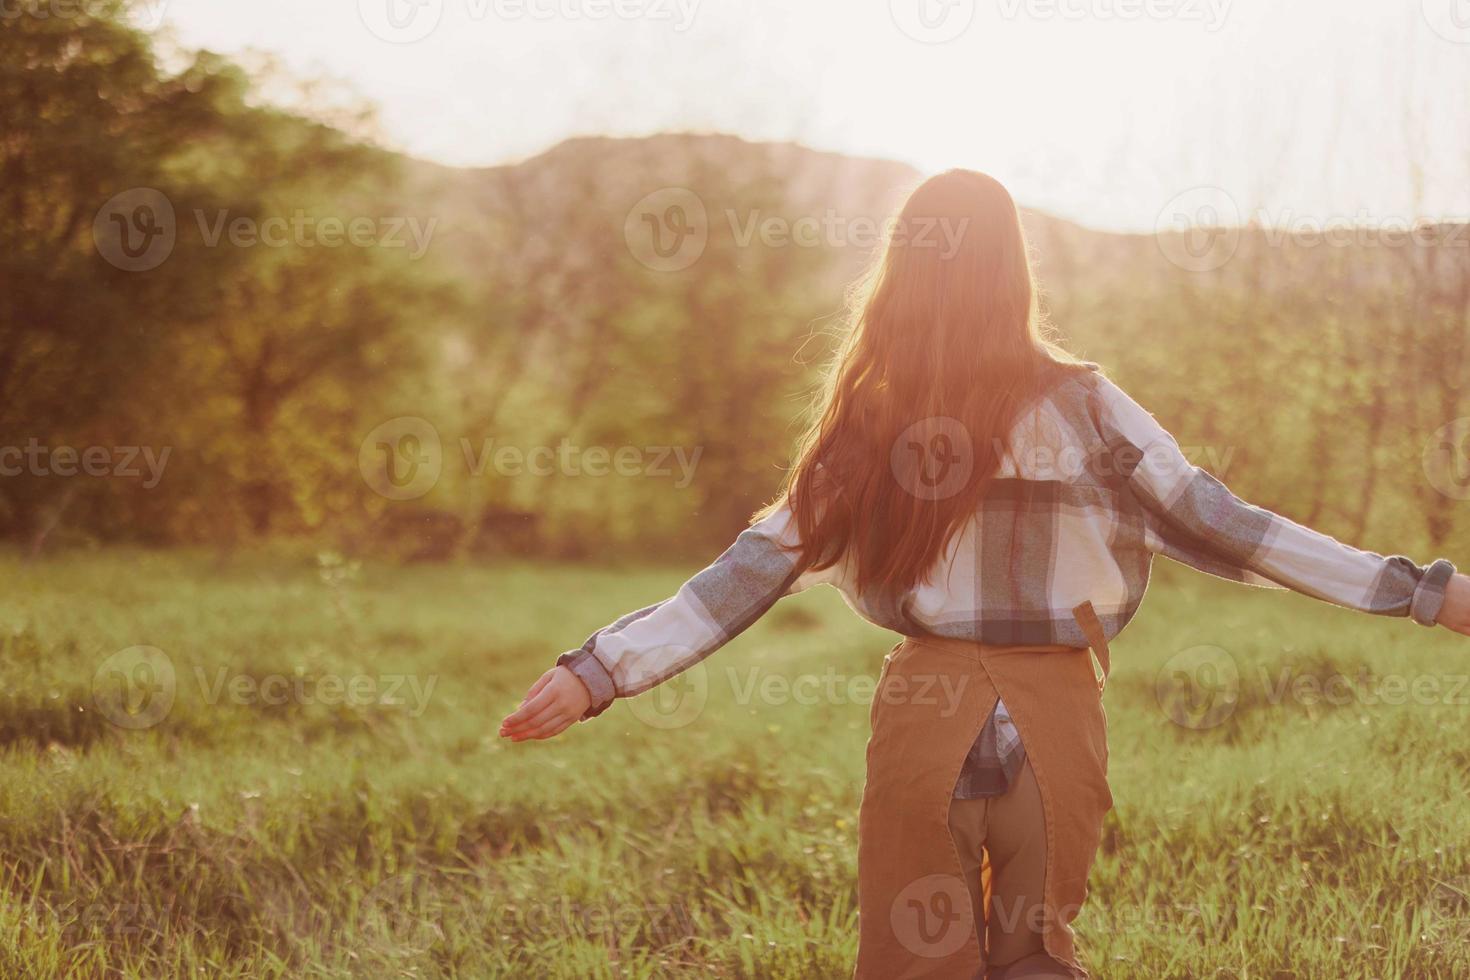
237, 241
357, 358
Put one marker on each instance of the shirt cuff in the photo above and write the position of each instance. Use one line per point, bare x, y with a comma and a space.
599, 682
1429, 593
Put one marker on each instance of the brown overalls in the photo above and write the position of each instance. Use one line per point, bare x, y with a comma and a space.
934, 695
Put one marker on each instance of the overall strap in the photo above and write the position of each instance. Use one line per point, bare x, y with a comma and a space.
1092, 628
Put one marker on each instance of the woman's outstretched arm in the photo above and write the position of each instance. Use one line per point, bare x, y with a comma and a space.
1194, 517
647, 647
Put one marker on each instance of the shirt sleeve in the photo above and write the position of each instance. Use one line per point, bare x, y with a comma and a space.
1193, 517
648, 646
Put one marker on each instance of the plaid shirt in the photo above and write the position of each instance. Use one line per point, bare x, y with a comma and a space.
1091, 489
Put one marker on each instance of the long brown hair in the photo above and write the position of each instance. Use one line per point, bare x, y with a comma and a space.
946, 345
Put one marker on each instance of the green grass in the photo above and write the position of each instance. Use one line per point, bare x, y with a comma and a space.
709, 836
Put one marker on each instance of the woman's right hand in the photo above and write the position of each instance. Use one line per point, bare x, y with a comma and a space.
552, 705
1455, 613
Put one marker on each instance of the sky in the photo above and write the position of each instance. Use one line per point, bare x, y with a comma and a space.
1304, 114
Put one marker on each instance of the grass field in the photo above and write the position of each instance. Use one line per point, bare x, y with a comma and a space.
278, 819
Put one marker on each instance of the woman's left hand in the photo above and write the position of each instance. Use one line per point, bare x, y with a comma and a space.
549, 708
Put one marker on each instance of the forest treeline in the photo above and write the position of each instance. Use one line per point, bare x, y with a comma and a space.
224, 322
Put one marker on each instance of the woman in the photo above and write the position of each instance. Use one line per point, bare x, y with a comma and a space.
998, 503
